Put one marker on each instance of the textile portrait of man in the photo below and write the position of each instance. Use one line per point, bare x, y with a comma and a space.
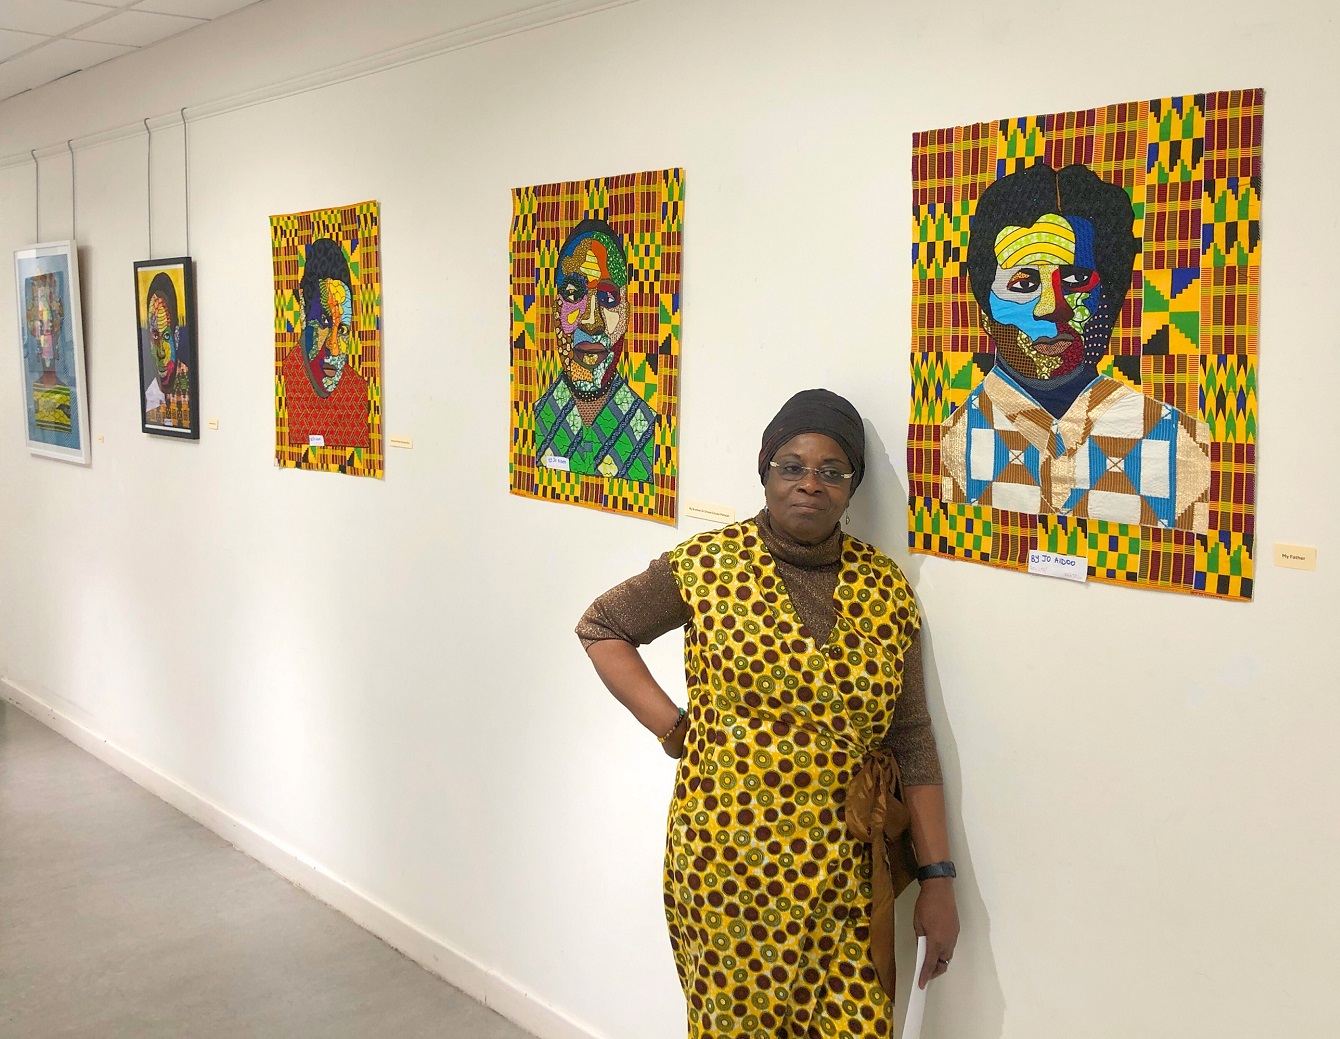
589, 420
1085, 316
594, 349
1049, 260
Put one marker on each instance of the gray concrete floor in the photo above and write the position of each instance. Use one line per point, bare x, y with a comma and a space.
120, 917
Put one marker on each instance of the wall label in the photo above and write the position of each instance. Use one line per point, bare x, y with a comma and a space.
1296, 557
1053, 564
706, 510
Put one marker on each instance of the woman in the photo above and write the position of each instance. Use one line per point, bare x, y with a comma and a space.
799, 641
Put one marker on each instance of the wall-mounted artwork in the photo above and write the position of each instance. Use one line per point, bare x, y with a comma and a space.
328, 351
595, 342
1084, 336
169, 373
51, 335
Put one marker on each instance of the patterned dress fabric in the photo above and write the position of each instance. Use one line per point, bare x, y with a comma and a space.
1115, 455
619, 444
767, 894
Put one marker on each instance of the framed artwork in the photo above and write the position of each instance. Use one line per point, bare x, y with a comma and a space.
596, 268
328, 327
1084, 338
169, 370
55, 397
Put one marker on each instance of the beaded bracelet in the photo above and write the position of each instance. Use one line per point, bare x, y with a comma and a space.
673, 728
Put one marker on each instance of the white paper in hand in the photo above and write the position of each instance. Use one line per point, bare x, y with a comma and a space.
916, 1002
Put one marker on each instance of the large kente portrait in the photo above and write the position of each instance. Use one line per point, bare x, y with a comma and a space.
1084, 341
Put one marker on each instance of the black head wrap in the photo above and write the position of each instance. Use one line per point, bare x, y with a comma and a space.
817, 411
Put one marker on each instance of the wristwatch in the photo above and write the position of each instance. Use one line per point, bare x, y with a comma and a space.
936, 869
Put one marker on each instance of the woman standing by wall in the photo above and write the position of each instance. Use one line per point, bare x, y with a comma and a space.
805, 744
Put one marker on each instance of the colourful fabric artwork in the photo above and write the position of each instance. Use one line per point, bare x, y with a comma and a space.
1084, 327
50, 334
165, 308
595, 342
328, 306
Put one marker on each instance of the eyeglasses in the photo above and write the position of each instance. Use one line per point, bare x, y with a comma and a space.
793, 471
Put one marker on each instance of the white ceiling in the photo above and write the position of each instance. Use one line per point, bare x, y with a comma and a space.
44, 40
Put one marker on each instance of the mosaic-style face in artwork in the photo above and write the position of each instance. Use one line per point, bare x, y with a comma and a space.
50, 341
327, 266
591, 307
44, 313
162, 328
328, 307
1045, 303
590, 421
1042, 297
165, 311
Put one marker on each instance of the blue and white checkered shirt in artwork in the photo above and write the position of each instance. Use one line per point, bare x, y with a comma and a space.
619, 443
1115, 455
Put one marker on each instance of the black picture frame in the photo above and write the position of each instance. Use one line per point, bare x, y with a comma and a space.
173, 411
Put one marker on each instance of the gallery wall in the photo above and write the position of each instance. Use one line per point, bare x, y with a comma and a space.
380, 677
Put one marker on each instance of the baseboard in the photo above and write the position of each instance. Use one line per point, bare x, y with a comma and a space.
477, 980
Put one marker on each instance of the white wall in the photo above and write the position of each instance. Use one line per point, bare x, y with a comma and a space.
1144, 785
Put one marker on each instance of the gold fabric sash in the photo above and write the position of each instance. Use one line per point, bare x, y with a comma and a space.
876, 814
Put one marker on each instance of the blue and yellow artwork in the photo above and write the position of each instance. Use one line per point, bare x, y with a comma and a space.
50, 335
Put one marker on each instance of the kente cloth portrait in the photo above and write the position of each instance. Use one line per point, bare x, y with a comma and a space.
51, 340
328, 326
595, 342
1084, 329
165, 310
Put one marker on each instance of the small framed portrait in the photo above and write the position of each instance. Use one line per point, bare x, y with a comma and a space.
169, 372
55, 402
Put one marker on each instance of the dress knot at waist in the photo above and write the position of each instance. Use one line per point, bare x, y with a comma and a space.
877, 815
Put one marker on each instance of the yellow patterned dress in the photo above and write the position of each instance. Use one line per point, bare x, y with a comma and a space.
767, 895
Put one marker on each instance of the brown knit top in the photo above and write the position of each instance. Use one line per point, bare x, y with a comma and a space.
645, 607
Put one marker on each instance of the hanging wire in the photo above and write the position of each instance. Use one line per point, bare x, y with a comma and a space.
186, 176
74, 212
149, 184
37, 197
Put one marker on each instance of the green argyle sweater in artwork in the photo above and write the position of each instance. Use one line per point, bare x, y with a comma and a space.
620, 443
